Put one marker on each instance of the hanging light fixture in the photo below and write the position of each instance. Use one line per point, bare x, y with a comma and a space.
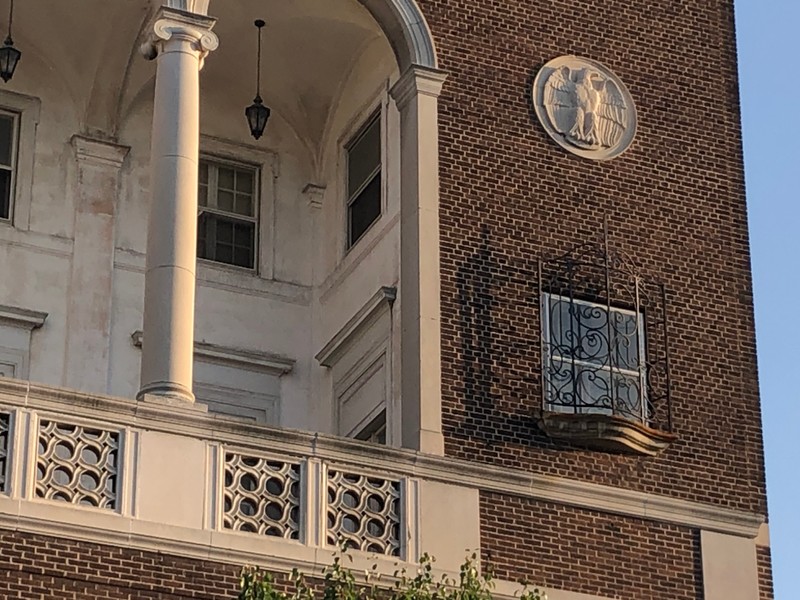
9, 56
257, 114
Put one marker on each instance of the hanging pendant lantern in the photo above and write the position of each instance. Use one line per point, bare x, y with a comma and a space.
257, 114
9, 56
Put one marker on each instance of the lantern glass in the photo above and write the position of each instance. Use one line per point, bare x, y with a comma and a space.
9, 57
257, 115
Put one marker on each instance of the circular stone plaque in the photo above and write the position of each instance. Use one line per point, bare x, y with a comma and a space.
584, 107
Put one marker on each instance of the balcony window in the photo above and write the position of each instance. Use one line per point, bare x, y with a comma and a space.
594, 358
228, 213
8, 161
605, 360
363, 180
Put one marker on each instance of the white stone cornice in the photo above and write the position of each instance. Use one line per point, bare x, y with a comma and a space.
99, 151
415, 81
169, 23
21, 317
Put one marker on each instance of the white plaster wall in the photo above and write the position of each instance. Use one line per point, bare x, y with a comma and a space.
35, 253
306, 287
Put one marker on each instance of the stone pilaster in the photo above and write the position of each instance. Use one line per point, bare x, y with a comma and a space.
416, 95
91, 277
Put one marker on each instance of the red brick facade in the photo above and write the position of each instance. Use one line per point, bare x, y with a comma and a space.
674, 201
36, 566
590, 552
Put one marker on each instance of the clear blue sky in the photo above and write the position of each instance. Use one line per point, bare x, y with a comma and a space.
769, 45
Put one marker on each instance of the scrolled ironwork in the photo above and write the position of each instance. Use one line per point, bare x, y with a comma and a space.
604, 337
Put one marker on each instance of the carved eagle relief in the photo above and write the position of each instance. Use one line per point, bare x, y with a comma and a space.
588, 109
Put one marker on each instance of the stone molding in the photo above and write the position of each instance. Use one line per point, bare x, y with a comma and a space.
406, 27
417, 80
99, 151
253, 360
23, 318
329, 354
262, 438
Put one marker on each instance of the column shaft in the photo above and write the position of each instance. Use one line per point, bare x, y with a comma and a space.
168, 332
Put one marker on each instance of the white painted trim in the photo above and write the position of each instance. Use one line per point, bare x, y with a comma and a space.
116, 412
253, 360
23, 318
331, 352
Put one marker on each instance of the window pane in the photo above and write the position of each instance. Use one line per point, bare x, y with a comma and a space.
225, 200
224, 237
226, 178
363, 157
5, 194
364, 210
6, 139
244, 182
224, 231
244, 205
204, 222
244, 244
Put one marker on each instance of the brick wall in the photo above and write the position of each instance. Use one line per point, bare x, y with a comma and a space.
675, 202
765, 573
36, 566
582, 550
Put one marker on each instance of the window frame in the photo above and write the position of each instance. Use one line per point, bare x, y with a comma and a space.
14, 166
27, 109
375, 111
216, 161
548, 359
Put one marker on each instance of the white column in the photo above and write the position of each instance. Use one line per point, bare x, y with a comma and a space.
180, 40
416, 95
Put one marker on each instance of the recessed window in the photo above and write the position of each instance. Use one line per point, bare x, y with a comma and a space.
363, 180
375, 431
228, 213
8, 161
594, 358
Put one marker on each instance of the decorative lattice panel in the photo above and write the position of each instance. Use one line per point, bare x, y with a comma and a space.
364, 512
262, 496
4, 418
76, 464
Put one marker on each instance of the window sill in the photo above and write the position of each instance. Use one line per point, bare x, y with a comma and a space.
605, 432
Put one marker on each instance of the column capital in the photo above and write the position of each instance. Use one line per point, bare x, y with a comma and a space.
417, 80
171, 23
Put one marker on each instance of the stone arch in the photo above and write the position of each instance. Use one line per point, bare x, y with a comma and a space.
401, 20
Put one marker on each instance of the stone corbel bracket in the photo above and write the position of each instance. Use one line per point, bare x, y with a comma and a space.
171, 22
608, 433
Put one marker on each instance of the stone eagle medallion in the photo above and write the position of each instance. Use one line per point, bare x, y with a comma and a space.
584, 107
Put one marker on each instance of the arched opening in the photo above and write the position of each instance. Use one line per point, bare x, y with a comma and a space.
310, 285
